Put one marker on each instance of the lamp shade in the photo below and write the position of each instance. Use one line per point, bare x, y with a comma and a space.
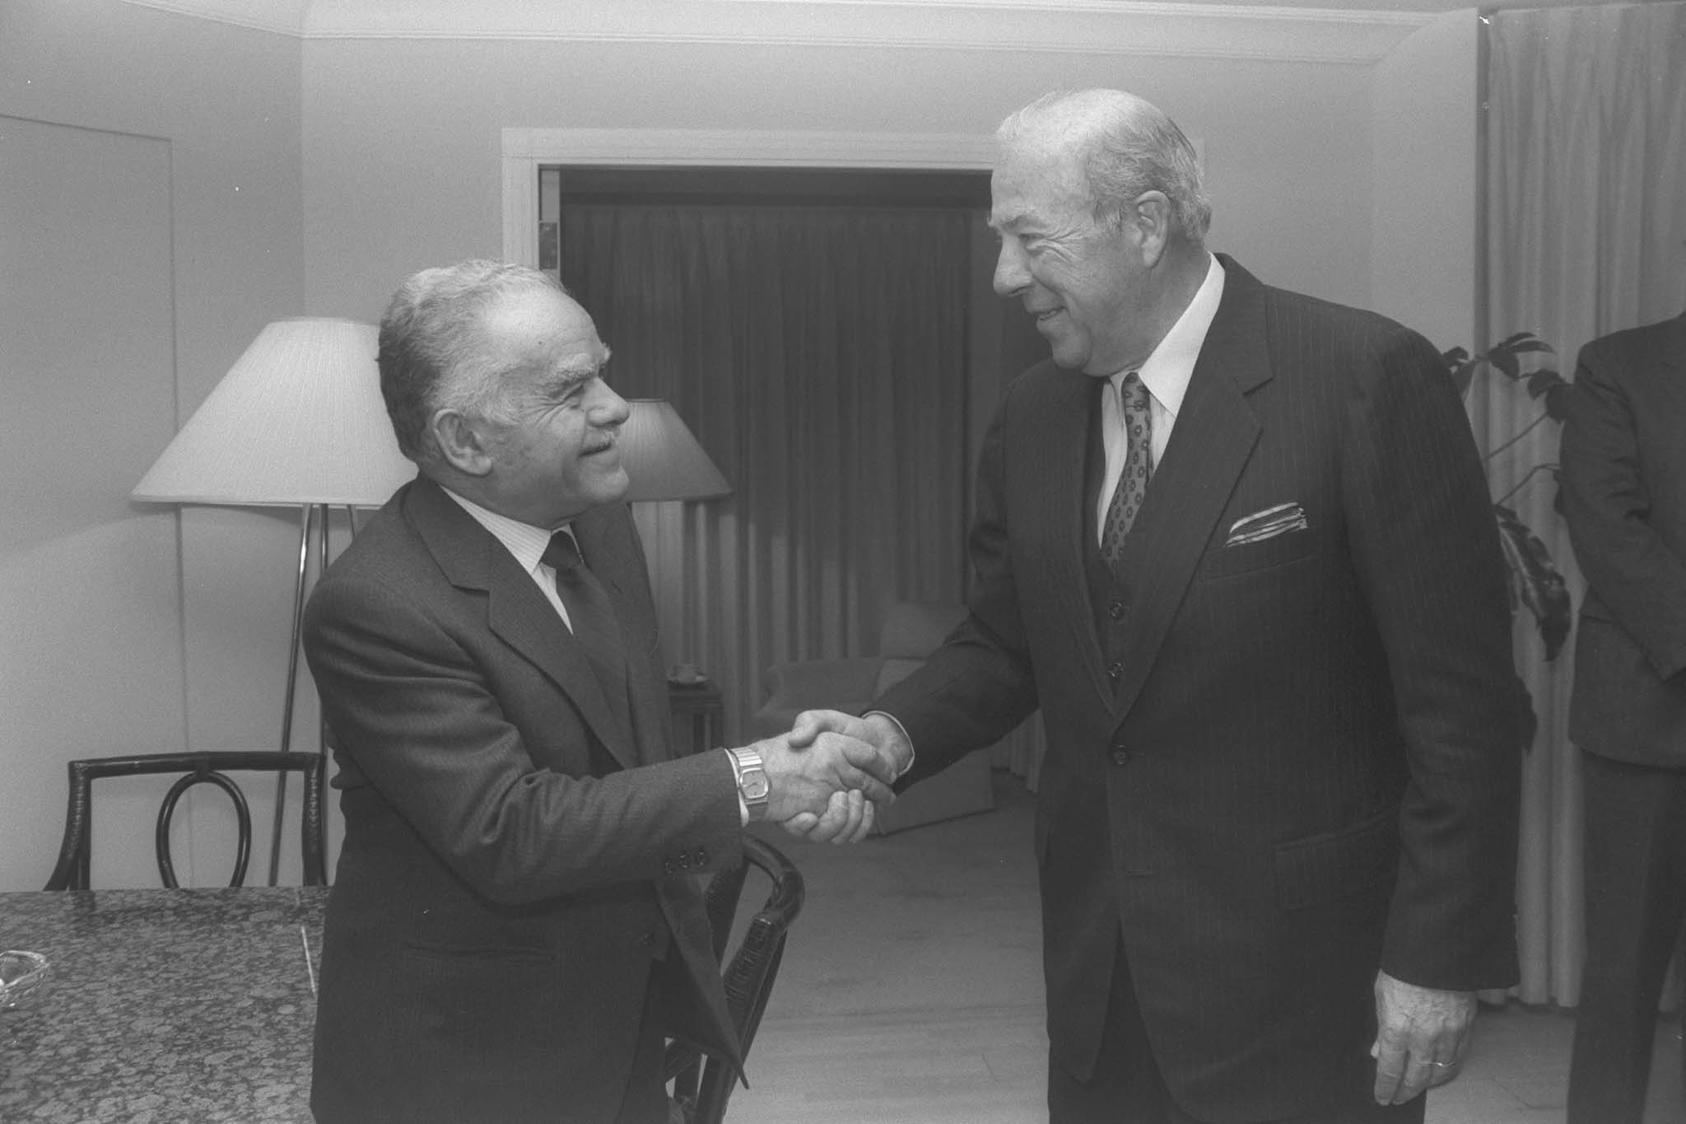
297, 420
663, 459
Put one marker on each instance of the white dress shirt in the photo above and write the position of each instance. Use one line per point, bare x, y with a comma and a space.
527, 543
1165, 374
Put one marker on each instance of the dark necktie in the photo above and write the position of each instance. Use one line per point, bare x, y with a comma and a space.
592, 619
1132, 481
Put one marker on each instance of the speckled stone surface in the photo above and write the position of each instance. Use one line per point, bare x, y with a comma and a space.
163, 1005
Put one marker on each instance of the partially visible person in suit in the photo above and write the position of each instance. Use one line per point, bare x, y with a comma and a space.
514, 927
1237, 546
1624, 497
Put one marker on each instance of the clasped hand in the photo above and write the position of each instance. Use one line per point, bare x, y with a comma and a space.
826, 776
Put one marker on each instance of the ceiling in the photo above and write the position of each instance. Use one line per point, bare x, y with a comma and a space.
1428, 6
405, 17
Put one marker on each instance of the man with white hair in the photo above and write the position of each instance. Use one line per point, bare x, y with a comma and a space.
514, 927
1236, 545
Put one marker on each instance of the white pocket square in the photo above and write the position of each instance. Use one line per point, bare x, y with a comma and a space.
1266, 524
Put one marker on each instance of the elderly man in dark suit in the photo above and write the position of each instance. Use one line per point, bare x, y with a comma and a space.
514, 928
1624, 496
1236, 544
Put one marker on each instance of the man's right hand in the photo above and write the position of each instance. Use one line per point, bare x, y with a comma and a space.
825, 770
844, 820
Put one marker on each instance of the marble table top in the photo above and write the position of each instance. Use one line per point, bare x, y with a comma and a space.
163, 1005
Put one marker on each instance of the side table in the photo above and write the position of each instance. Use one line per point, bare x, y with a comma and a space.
698, 713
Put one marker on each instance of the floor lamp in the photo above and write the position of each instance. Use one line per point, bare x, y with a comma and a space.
298, 421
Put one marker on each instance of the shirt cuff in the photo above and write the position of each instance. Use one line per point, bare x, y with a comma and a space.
902, 730
737, 788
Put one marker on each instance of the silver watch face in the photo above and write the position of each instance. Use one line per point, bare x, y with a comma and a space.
753, 783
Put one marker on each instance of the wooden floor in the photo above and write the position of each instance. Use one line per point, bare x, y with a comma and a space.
911, 993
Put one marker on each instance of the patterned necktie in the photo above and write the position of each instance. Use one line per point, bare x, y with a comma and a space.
592, 619
1132, 481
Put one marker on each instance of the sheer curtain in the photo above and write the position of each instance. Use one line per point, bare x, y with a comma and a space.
1586, 220
819, 354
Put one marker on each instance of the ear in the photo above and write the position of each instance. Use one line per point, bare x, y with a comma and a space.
1148, 221
461, 443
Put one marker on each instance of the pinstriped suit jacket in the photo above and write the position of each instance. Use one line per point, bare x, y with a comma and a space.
1306, 766
1624, 496
508, 870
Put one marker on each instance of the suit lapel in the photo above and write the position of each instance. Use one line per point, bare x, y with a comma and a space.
1072, 400
516, 612
1214, 437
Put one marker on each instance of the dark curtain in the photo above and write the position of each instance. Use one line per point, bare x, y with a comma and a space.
819, 353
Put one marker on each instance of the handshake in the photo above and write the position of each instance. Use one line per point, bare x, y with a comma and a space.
828, 774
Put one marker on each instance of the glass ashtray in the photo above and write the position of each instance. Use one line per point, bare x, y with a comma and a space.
21, 973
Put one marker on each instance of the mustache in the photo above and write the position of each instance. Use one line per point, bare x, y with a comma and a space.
607, 438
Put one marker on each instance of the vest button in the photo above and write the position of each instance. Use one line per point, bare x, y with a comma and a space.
1120, 755
1115, 670
1115, 610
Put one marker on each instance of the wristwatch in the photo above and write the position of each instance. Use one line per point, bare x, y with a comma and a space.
752, 781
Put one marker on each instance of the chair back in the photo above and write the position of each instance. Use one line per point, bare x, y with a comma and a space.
71, 871
703, 1083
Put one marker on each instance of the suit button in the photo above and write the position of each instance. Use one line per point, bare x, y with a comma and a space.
668, 867
1120, 755
645, 940
1115, 610
684, 861
1115, 670
700, 859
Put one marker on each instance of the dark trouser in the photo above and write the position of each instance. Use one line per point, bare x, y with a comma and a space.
1635, 900
1127, 1087
646, 1093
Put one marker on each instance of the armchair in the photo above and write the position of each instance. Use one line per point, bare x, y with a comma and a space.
911, 631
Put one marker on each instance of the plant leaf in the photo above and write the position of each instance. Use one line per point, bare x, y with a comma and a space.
1461, 367
1527, 722
1542, 380
1534, 580
1522, 341
1557, 400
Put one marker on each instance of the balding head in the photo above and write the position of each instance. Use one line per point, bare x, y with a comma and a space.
433, 352
1117, 146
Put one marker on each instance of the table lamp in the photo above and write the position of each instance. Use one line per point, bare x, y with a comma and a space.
664, 462
663, 459
298, 421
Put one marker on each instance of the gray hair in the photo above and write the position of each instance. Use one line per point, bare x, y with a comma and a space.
432, 356
1126, 146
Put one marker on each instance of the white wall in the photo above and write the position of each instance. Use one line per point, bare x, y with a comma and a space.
188, 649
401, 137
310, 169
1423, 269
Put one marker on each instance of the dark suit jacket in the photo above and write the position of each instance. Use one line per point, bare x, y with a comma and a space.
1624, 496
1306, 766
513, 864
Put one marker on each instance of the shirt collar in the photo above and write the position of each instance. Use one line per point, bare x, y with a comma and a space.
523, 540
1169, 368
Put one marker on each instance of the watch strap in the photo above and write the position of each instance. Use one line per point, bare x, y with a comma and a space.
753, 787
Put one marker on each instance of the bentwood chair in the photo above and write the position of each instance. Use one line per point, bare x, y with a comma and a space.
71, 873
703, 1083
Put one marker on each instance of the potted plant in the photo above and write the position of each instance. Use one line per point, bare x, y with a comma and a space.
1535, 581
